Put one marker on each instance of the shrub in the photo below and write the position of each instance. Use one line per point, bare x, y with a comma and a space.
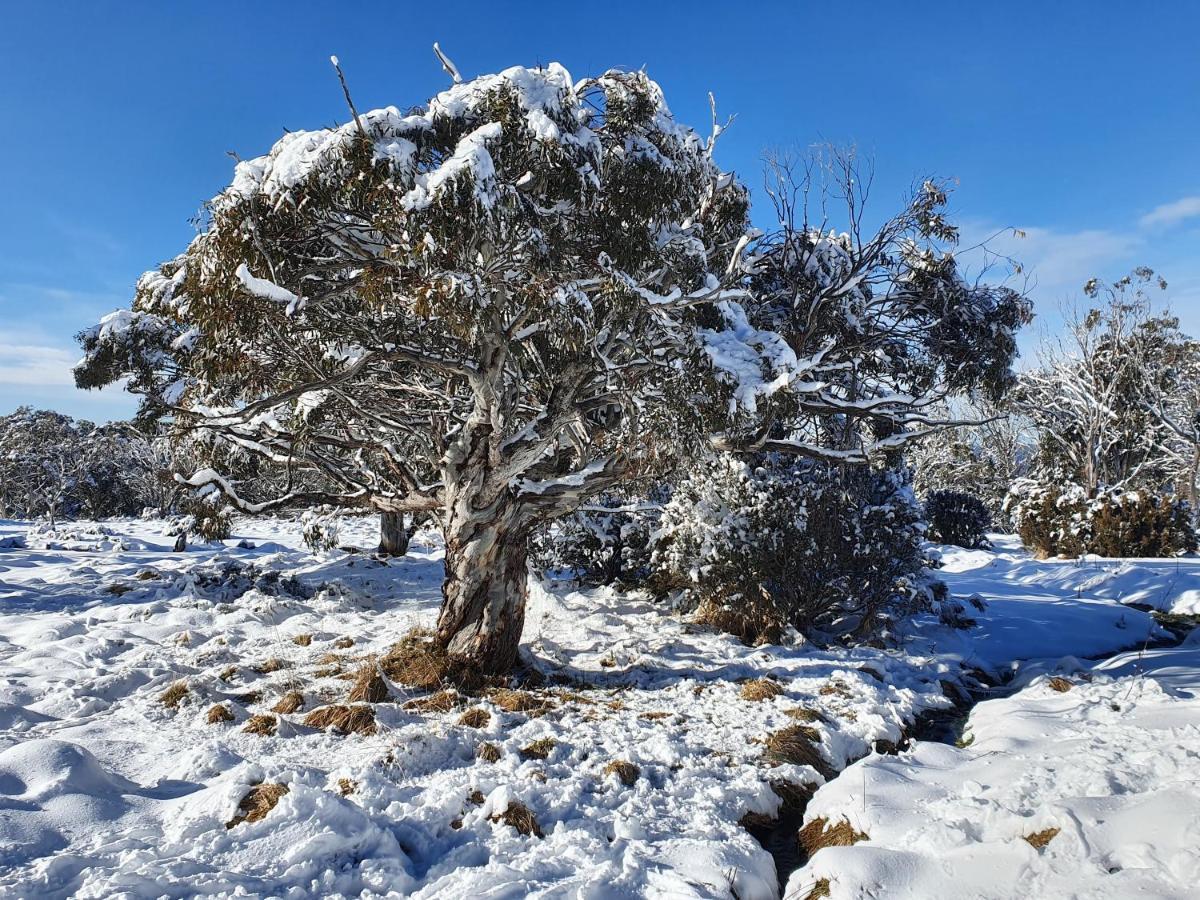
322, 529
606, 542
1054, 521
835, 552
959, 518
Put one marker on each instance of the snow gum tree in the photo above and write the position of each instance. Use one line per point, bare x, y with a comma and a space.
486, 309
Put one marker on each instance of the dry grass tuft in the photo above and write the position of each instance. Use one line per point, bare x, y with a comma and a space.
118, 589
147, 575
346, 787
260, 800
475, 718
228, 673
821, 888
302, 640
274, 664
488, 752
218, 714
804, 714
794, 796
173, 696
291, 702
752, 629
358, 719
518, 701
441, 702
261, 724
627, 773
417, 660
834, 687
654, 715
797, 744
819, 834
1039, 839
369, 686
520, 817
476, 797
539, 749
1059, 684
760, 689
343, 643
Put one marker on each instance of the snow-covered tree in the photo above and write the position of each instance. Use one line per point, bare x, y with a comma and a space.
495, 306
42, 459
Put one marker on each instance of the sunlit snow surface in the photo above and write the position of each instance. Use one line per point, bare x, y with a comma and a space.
106, 792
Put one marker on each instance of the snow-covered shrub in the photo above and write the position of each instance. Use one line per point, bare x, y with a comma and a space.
835, 552
606, 542
1063, 521
956, 517
322, 529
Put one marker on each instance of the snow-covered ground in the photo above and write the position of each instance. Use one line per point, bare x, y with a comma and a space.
105, 790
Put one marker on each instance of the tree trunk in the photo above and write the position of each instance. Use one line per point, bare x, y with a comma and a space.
487, 581
393, 535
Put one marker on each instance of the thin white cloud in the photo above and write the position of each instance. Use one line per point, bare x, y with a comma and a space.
36, 365
1172, 213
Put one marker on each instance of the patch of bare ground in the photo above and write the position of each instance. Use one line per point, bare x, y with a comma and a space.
259, 801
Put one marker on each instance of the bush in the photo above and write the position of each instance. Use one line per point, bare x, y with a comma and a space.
959, 518
606, 542
835, 552
1054, 521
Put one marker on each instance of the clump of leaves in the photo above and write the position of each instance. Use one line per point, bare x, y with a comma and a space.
760, 689
358, 719
173, 696
1039, 839
520, 817
259, 801
290, 702
261, 724
627, 773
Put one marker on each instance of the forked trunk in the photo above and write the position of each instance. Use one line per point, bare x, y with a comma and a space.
483, 596
393, 534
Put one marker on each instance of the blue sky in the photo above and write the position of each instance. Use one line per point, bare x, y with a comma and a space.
1078, 122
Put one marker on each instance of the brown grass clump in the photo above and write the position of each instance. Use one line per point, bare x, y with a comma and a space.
291, 702
476, 797
1059, 684
804, 714
539, 749
1039, 839
369, 686
627, 773
518, 701
173, 696
261, 724
475, 718
228, 673
358, 719
441, 702
520, 817
821, 888
751, 628
147, 575
760, 689
302, 640
488, 752
654, 715
836, 688
118, 589
819, 834
797, 744
794, 796
344, 643
218, 714
259, 801
417, 660
346, 787
274, 664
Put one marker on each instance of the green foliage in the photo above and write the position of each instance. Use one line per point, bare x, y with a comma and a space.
956, 517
